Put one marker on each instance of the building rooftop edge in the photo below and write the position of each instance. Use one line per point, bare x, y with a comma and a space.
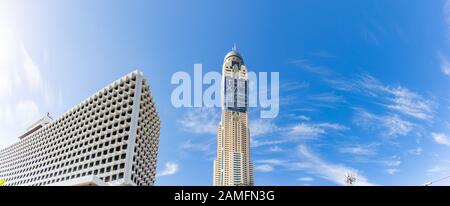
136, 72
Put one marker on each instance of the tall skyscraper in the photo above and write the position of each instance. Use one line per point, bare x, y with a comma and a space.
233, 166
111, 138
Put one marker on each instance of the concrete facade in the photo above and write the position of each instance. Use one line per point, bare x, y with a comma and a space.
111, 138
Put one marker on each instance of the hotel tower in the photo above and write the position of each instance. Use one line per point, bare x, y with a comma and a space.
233, 166
111, 138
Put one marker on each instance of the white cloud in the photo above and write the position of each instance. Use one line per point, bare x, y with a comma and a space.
311, 131
392, 171
390, 125
15, 118
309, 67
169, 169
258, 143
8, 61
445, 64
264, 168
305, 179
314, 165
260, 127
197, 146
275, 149
398, 99
32, 72
333, 126
277, 162
410, 103
328, 98
441, 138
437, 170
446, 11
329, 171
397, 126
303, 117
393, 161
292, 86
359, 149
27, 112
22, 90
200, 121
416, 151
306, 130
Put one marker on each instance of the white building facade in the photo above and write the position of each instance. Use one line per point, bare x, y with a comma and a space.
111, 138
233, 166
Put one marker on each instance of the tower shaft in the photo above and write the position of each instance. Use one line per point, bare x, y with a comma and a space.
233, 166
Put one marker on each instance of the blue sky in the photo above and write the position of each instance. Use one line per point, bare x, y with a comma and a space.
364, 85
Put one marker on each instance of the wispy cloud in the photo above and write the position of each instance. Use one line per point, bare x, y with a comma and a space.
332, 172
264, 168
20, 74
311, 131
293, 86
395, 98
275, 149
260, 127
302, 117
314, 165
170, 168
262, 133
327, 97
32, 72
305, 179
322, 54
200, 121
277, 162
437, 170
310, 67
204, 147
410, 103
258, 143
389, 125
393, 161
392, 171
416, 151
27, 112
306, 131
370, 36
368, 150
446, 11
445, 64
21, 115
441, 138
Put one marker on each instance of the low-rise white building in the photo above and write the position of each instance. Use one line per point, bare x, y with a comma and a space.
111, 138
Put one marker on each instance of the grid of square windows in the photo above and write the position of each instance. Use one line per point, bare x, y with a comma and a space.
90, 139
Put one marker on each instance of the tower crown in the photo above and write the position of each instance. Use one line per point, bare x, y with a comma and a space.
234, 53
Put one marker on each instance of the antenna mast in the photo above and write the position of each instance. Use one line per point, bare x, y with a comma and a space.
350, 179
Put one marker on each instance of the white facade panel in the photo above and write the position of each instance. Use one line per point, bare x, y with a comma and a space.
111, 138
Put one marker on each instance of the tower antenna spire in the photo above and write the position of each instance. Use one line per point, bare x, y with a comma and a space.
234, 47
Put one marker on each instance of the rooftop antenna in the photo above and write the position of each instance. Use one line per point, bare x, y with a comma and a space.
350, 179
48, 115
438, 180
234, 47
